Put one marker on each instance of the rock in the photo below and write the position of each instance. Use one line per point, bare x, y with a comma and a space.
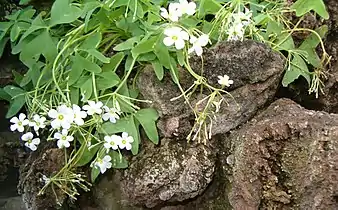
45, 161
174, 172
285, 158
12, 203
256, 79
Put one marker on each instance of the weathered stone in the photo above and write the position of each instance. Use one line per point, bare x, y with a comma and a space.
256, 79
174, 172
44, 161
12, 203
285, 158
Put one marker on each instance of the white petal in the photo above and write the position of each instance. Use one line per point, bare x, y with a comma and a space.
55, 124
70, 138
52, 113
22, 116
130, 139
107, 145
191, 8
79, 121
32, 147
203, 40
124, 135
107, 158
25, 122
36, 141
193, 39
14, 127
164, 13
66, 144
128, 147
179, 44
65, 125
14, 120
21, 129
60, 143
198, 50
168, 41
184, 35
57, 135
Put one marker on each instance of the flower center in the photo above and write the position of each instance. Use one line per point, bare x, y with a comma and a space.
124, 141
37, 123
61, 117
175, 38
64, 138
29, 141
19, 123
112, 143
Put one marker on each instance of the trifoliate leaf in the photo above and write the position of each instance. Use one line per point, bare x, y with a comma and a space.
304, 6
87, 89
64, 12
14, 91
98, 55
86, 64
91, 42
144, 46
297, 68
117, 160
86, 155
15, 106
106, 80
147, 118
127, 45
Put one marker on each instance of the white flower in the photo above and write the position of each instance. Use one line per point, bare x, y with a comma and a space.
29, 141
93, 108
173, 12
112, 142
103, 164
111, 114
63, 116
198, 43
63, 139
225, 80
125, 141
245, 17
175, 35
236, 32
78, 115
38, 122
188, 8
19, 123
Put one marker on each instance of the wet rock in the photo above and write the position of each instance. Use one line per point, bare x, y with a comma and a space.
256, 79
285, 158
174, 172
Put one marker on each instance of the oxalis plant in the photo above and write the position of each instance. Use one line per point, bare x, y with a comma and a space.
83, 56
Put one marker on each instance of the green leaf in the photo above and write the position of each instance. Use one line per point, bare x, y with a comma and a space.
4, 95
285, 42
83, 63
162, 54
37, 24
75, 72
304, 6
147, 118
98, 55
63, 12
87, 155
297, 68
87, 89
13, 91
144, 46
15, 106
106, 80
26, 14
309, 46
180, 57
94, 174
126, 124
24, 2
91, 42
42, 44
3, 43
208, 7
127, 45
150, 56
174, 71
74, 95
117, 160
114, 63
158, 68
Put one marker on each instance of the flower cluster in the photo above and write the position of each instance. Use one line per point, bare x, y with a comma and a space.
64, 120
238, 24
176, 35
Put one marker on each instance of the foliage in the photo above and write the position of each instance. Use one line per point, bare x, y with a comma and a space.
90, 50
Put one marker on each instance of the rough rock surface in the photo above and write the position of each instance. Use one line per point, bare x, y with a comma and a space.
174, 172
256, 79
46, 162
286, 158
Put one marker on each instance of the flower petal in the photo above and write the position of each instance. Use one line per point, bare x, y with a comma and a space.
179, 44
168, 41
